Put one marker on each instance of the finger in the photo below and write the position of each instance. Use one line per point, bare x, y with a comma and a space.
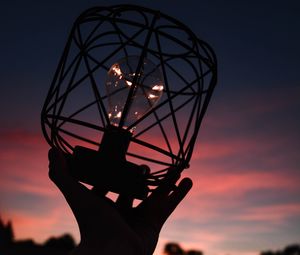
124, 202
177, 196
157, 198
58, 165
146, 169
164, 189
161, 209
51, 153
58, 173
55, 154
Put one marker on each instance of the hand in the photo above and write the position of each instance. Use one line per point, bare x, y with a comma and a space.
108, 227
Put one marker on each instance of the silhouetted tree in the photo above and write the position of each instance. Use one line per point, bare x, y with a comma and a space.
291, 250
65, 242
194, 252
54, 245
173, 249
6, 233
267, 253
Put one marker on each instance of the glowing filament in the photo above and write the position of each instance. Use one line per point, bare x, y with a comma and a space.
117, 70
129, 83
119, 114
151, 96
143, 83
158, 87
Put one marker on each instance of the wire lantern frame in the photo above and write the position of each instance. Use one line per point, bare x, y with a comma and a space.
75, 111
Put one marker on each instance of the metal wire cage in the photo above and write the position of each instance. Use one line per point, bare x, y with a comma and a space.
164, 60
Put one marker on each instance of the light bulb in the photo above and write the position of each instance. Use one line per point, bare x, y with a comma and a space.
148, 88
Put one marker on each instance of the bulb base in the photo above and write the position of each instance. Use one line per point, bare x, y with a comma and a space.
108, 168
115, 143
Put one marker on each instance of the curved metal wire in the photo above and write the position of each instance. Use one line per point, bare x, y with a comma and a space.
75, 109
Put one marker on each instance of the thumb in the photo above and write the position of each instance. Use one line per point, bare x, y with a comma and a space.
174, 199
74, 192
58, 165
59, 172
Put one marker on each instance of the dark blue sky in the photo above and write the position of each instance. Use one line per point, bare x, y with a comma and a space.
256, 42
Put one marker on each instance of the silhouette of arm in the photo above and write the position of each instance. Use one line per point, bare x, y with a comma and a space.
114, 228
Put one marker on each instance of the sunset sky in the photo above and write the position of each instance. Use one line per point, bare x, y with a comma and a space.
246, 163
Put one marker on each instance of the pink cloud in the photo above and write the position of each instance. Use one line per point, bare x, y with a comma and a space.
24, 163
217, 194
217, 182
24, 170
271, 213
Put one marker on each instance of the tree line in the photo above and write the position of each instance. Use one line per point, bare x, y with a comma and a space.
63, 244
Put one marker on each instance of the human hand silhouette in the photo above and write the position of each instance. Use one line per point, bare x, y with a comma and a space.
108, 227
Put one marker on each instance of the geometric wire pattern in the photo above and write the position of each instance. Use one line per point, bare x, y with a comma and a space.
75, 111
